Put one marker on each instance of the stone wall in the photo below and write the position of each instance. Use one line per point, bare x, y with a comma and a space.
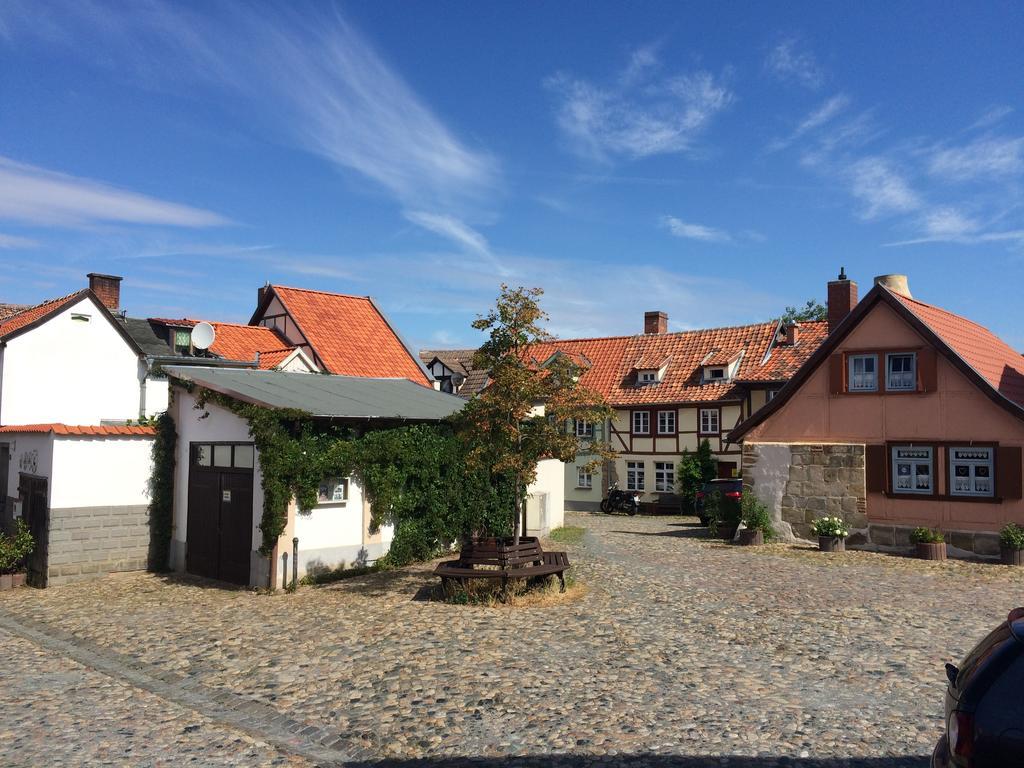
799, 482
86, 542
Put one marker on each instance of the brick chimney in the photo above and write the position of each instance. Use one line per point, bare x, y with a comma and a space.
842, 298
655, 322
792, 334
261, 292
107, 289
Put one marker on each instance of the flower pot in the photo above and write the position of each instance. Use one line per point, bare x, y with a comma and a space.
831, 544
6, 581
751, 537
927, 550
18, 579
1012, 556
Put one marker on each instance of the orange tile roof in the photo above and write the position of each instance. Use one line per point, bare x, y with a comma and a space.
991, 357
604, 355
785, 360
271, 358
19, 320
349, 335
242, 342
118, 430
7, 310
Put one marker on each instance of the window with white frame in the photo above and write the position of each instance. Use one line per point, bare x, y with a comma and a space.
971, 471
666, 422
664, 476
647, 377
770, 395
583, 478
634, 475
641, 422
709, 421
863, 372
900, 371
584, 428
913, 469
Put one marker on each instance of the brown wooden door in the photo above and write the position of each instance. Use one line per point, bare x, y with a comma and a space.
219, 535
727, 469
36, 511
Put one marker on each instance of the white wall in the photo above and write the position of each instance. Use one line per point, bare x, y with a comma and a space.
550, 482
31, 453
155, 394
220, 426
70, 371
331, 535
101, 471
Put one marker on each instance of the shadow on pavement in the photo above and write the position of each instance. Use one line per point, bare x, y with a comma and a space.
684, 533
649, 761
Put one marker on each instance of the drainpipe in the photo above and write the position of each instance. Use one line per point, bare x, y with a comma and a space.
284, 570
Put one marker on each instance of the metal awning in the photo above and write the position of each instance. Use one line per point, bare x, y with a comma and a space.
324, 395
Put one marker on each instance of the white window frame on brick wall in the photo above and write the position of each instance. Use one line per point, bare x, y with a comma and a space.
664, 425
664, 476
706, 424
635, 476
645, 419
907, 462
584, 479
972, 471
862, 380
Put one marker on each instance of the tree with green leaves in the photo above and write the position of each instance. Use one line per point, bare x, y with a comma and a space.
694, 470
520, 417
812, 310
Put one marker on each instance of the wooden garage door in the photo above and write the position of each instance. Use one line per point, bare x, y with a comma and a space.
220, 513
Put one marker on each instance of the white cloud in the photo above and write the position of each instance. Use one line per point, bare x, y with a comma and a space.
991, 117
881, 188
640, 114
985, 157
691, 231
310, 78
38, 196
787, 61
823, 114
15, 241
948, 223
458, 232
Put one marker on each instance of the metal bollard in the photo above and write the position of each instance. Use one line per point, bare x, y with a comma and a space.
284, 571
295, 562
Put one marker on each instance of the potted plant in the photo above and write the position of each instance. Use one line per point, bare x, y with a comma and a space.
831, 533
758, 523
13, 551
930, 543
1011, 544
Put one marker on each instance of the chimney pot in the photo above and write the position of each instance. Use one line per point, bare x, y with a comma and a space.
842, 298
792, 334
895, 283
655, 322
107, 289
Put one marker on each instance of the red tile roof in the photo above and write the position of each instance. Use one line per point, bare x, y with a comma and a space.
271, 358
991, 357
6, 310
604, 354
349, 335
118, 430
242, 342
785, 360
19, 320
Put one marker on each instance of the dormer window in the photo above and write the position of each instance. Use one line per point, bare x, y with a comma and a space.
716, 373
182, 342
647, 377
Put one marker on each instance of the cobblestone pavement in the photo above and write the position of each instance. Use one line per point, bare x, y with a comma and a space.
681, 652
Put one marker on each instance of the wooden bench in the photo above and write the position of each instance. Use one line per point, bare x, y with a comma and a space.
500, 559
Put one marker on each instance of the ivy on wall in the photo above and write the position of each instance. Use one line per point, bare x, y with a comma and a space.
161, 493
415, 477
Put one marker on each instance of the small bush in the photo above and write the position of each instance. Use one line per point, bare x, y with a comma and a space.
927, 536
755, 515
14, 549
568, 534
722, 511
1012, 537
834, 527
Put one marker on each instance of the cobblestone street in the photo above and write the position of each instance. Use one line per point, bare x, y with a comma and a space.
681, 651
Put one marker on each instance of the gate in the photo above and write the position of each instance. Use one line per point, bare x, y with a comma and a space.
220, 514
32, 492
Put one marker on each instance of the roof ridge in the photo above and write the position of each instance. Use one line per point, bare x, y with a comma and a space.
945, 311
323, 293
43, 303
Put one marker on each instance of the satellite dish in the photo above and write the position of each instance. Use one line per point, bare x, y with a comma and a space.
203, 335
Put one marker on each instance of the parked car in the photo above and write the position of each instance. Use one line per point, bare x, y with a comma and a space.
729, 487
984, 705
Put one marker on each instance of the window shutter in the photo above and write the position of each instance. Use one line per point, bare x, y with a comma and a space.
927, 377
875, 462
836, 379
1008, 472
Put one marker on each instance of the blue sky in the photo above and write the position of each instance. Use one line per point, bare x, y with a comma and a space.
716, 161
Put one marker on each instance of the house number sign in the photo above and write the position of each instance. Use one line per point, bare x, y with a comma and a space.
29, 462
225, 495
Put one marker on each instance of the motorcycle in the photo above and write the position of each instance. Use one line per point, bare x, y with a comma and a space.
620, 501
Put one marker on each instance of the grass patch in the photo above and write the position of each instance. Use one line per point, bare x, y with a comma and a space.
568, 534
488, 593
337, 574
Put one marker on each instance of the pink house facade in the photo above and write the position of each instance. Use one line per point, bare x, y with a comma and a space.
906, 416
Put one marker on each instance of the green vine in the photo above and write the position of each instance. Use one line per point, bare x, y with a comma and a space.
161, 492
